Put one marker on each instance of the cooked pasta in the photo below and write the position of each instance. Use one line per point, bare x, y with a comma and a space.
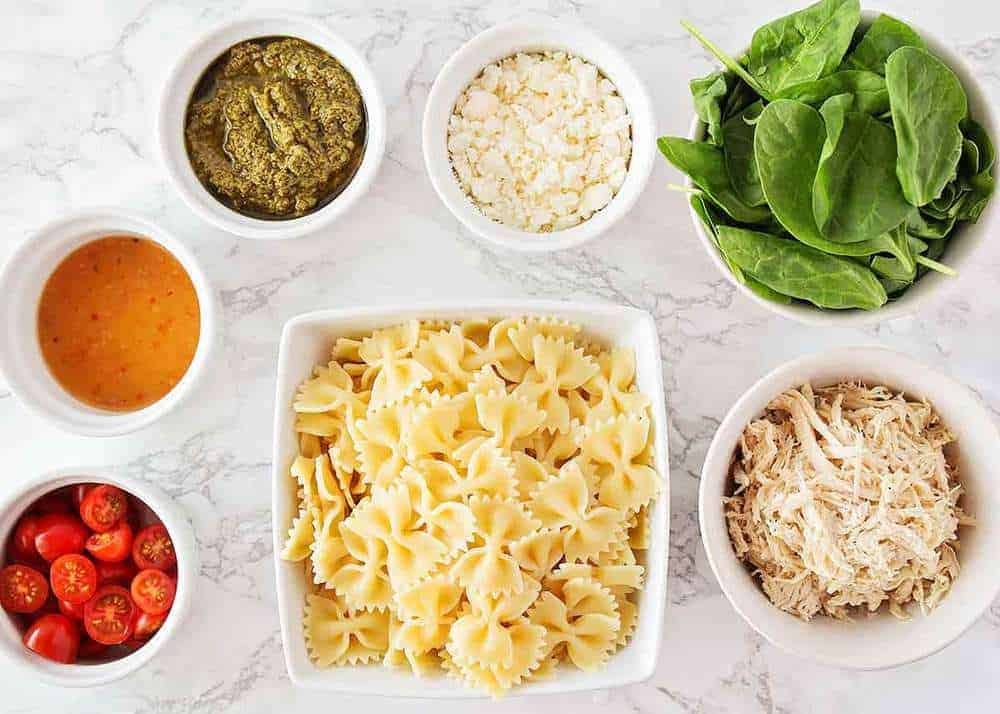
473, 500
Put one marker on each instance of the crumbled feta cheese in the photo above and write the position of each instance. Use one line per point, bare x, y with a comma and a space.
540, 141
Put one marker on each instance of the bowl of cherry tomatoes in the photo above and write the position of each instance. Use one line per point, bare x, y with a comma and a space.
96, 574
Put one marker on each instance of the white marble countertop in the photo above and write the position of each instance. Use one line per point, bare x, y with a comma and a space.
79, 84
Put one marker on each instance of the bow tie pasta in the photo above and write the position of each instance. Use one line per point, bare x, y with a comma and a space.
473, 500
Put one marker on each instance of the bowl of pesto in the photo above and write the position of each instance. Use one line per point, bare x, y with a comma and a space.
271, 126
840, 170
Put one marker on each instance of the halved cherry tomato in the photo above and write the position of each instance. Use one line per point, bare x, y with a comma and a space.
115, 573
109, 616
22, 589
146, 625
153, 591
72, 610
54, 637
22, 544
113, 546
89, 649
53, 502
74, 578
152, 548
78, 492
103, 507
59, 534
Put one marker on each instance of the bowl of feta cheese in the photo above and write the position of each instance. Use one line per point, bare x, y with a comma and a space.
538, 136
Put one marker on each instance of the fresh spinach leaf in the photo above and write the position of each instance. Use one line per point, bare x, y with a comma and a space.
868, 88
885, 36
795, 269
928, 105
981, 190
705, 164
737, 145
855, 194
728, 62
788, 143
921, 225
701, 207
902, 266
973, 131
803, 46
708, 94
739, 98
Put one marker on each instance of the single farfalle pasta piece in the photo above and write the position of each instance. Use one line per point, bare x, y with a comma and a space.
426, 612
508, 417
336, 635
617, 451
471, 498
494, 646
563, 503
382, 444
612, 389
448, 355
489, 567
558, 368
411, 550
585, 619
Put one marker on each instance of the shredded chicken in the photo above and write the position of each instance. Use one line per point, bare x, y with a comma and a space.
845, 500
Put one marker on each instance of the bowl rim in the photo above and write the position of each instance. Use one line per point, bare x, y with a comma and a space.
911, 302
101, 423
170, 515
174, 97
521, 36
656, 577
716, 465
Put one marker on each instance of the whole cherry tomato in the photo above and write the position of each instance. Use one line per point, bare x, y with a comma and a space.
78, 492
22, 544
59, 534
53, 502
73, 611
54, 637
115, 573
146, 625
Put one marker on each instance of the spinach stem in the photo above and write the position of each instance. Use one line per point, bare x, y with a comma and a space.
730, 64
934, 265
684, 189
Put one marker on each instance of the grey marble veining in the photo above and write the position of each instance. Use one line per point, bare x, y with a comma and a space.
79, 86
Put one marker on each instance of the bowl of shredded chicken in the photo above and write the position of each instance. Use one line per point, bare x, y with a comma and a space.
844, 501
839, 502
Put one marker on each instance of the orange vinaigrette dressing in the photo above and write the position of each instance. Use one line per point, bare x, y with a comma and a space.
118, 323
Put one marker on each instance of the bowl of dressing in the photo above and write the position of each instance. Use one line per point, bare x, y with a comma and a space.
271, 126
107, 323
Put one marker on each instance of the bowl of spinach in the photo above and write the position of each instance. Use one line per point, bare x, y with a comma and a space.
840, 169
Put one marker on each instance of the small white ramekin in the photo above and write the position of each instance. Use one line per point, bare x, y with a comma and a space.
181, 83
961, 247
880, 641
503, 41
21, 283
185, 547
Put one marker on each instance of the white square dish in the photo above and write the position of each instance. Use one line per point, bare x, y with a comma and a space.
306, 340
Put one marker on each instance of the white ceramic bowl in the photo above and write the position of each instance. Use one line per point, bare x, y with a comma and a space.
961, 246
503, 41
185, 547
21, 282
181, 83
306, 341
881, 641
